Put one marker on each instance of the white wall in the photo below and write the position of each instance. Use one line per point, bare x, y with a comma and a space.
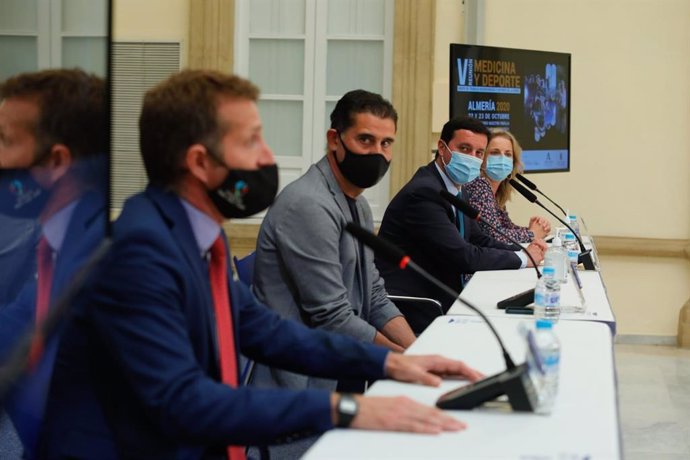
630, 132
630, 135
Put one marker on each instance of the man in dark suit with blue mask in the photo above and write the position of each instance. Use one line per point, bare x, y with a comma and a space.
156, 339
53, 140
438, 237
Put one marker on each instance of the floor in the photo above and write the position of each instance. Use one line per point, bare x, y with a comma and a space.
653, 395
654, 401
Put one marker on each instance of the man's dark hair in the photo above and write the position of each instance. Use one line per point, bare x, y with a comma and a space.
463, 122
360, 101
71, 107
182, 111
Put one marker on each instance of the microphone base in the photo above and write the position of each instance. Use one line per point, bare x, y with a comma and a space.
586, 259
518, 300
515, 383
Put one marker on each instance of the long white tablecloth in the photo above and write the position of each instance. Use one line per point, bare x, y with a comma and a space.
584, 423
485, 289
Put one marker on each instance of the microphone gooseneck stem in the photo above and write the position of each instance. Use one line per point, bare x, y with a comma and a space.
553, 202
532, 198
396, 256
471, 212
509, 361
532, 186
579, 240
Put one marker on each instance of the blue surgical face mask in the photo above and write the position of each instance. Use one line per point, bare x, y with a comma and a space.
462, 168
498, 167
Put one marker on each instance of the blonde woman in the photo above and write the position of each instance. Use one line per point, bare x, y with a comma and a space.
490, 192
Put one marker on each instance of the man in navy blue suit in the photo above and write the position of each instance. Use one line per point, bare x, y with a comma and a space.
447, 244
53, 140
156, 340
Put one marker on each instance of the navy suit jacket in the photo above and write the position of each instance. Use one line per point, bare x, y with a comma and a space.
18, 240
143, 345
423, 225
25, 403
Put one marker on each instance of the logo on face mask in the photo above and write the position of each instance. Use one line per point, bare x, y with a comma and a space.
235, 197
362, 170
244, 193
462, 168
23, 196
20, 195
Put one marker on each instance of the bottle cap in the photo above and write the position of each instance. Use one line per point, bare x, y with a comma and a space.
544, 324
556, 241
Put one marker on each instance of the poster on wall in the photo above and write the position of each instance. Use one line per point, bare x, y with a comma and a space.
524, 91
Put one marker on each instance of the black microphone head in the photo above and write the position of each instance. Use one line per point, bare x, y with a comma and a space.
460, 204
530, 185
381, 247
531, 197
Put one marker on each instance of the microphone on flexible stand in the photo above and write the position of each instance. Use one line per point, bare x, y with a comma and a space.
513, 382
532, 186
518, 300
585, 256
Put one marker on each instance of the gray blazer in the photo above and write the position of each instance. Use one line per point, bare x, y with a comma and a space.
308, 267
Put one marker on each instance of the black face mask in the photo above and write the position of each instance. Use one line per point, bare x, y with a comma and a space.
245, 193
20, 195
363, 170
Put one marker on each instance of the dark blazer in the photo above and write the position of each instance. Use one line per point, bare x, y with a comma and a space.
423, 224
25, 404
18, 240
143, 344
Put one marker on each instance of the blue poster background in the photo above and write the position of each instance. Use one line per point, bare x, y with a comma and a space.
526, 92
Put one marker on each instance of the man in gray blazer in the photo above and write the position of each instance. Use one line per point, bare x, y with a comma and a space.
308, 267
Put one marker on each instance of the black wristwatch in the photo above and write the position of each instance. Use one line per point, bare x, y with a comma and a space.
347, 410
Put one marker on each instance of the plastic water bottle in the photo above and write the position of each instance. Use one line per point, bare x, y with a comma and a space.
571, 247
572, 220
547, 296
549, 350
557, 257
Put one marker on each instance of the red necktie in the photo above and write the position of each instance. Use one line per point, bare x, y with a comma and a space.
224, 330
44, 282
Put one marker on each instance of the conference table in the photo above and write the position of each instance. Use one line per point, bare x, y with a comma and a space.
486, 288
584, 423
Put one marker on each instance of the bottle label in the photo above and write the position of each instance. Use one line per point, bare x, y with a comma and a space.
553, 299
539, 297
551, 360
573, 255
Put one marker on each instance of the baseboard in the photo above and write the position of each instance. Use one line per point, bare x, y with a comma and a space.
642, 247
637, 339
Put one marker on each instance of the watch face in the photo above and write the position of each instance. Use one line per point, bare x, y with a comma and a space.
347, 410
348, 406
